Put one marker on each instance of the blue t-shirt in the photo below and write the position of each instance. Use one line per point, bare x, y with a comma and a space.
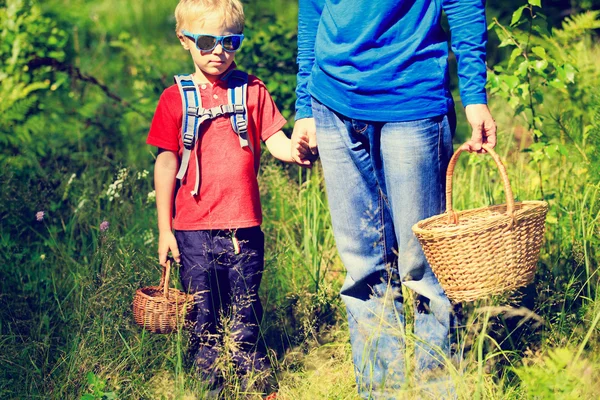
387, 60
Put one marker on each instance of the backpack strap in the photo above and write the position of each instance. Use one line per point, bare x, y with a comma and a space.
194, 115
237, 82
191, 102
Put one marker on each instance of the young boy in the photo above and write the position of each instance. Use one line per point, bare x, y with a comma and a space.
217, 235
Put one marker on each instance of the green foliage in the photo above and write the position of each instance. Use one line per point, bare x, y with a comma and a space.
270, 54
559, 375
25, 36
550, 82
540, 63
97, 386
578, 25
79, 81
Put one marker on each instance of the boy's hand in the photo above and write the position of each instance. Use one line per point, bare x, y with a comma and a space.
304, 142
166, 242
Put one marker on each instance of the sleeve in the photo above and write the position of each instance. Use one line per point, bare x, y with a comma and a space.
469, 38
309, 15
165, 128
266, 116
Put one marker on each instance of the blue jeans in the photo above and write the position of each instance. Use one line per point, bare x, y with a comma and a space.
382, 178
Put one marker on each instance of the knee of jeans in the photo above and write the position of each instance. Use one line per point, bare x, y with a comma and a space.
412, 265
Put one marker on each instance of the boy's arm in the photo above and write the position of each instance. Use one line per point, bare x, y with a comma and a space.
281, 147
165, 170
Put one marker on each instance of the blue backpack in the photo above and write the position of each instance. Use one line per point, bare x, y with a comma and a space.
194, 115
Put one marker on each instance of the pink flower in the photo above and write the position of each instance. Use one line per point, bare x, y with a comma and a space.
39, 215
104, 226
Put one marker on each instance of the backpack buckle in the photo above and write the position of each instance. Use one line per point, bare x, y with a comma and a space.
188, 140
192, 111
217, 111
242, 125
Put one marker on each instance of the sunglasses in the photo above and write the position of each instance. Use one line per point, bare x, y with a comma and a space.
203, 42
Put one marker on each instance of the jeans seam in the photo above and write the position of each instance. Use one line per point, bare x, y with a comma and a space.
382, 227
388, 266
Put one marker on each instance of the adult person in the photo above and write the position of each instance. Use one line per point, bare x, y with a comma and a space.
373, 84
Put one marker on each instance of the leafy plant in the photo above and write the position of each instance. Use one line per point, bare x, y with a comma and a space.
559, 375
98, 387
270, 54
25, 35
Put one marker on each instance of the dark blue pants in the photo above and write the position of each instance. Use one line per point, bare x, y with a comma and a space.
225, 283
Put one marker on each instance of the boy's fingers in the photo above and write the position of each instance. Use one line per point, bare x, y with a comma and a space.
312, 142
301, 157
305, 129
176, 255
302, 147
299, 151
305, 163
162, 259
175, 251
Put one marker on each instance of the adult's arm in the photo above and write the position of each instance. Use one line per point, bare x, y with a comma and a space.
468, 31
309, 14
304, 133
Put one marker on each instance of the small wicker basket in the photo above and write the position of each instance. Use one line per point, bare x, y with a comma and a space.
480, 252
161, 309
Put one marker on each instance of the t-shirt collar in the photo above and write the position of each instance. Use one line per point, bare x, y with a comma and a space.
225, 75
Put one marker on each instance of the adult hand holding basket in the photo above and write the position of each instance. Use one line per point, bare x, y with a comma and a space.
484, 251
161, 309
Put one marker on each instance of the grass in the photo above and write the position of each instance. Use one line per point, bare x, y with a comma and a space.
66, 329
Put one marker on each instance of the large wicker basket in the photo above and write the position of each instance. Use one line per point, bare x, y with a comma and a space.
161, 309
484, 251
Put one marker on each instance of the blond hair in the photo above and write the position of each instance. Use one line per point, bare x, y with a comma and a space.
193, 10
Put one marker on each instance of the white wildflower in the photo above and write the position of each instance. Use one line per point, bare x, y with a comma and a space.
122, 174
143, 174
114, 189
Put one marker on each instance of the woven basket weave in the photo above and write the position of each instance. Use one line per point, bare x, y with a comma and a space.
484, 251
161, 309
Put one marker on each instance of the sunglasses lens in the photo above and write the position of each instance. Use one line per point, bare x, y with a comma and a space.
232, 43
206, 42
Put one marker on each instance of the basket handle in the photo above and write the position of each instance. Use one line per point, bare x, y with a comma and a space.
510, 201
164, 279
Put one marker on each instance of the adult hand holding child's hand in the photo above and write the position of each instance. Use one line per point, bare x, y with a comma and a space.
304, 142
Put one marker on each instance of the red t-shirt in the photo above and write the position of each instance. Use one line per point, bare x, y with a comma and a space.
228, 196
